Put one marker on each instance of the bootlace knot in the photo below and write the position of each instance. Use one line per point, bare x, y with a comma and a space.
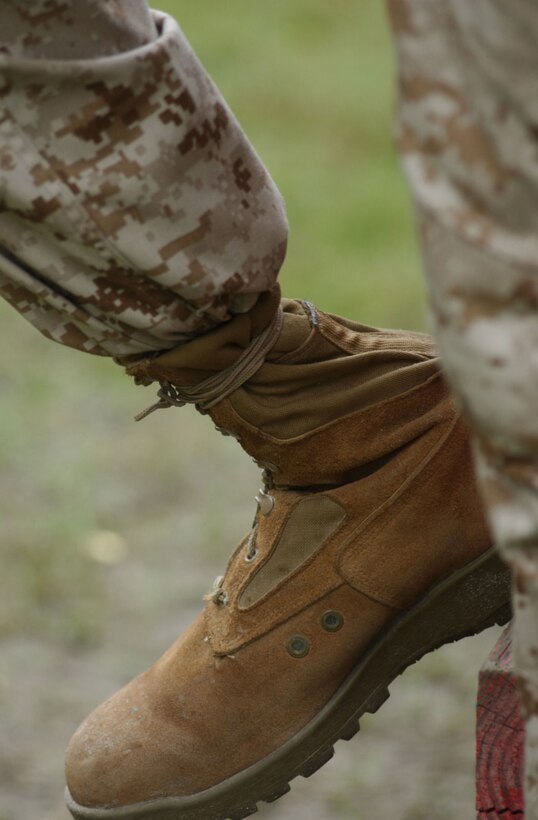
216, 388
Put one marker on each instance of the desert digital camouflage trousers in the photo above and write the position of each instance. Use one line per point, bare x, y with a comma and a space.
135, 215
468, 136
134, 211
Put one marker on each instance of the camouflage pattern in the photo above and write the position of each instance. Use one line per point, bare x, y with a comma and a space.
468, 135
134, 212
74, 30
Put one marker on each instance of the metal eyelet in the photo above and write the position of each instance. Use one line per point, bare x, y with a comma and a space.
218, 595
220, 598
265, 502
332, 621
251, 556
298, 646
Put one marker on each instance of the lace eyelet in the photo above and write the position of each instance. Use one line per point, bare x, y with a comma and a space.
265, 502
218, 595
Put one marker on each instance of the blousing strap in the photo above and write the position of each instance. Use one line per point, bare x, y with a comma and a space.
218, 387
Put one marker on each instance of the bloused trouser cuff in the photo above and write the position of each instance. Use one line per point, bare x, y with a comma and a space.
468, 133
135, 214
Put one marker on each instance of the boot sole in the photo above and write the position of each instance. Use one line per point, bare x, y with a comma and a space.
470, 600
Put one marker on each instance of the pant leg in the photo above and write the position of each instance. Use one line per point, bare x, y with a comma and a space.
74, 30
468, 134
134, 213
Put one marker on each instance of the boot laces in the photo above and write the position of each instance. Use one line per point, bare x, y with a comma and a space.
266, 504
213, 390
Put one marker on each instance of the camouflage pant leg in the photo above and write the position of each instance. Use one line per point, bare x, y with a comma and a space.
468, 134
134, 213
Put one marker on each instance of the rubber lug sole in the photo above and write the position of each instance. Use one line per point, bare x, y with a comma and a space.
470, 600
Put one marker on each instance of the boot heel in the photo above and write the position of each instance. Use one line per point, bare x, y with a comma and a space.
470, 600
473, 599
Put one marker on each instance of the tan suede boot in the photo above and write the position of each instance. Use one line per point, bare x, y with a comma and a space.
368, 550
328, 400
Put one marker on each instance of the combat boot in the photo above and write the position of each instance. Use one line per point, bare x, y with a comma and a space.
368, 550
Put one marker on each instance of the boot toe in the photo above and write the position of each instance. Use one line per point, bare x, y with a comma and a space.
138, 745
102, 760
123, 754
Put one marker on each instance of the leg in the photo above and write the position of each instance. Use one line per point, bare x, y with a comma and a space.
357, 434
367, 550
135, 213
71, 30
468, 124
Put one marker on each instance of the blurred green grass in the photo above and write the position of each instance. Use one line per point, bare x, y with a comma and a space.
312, 84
